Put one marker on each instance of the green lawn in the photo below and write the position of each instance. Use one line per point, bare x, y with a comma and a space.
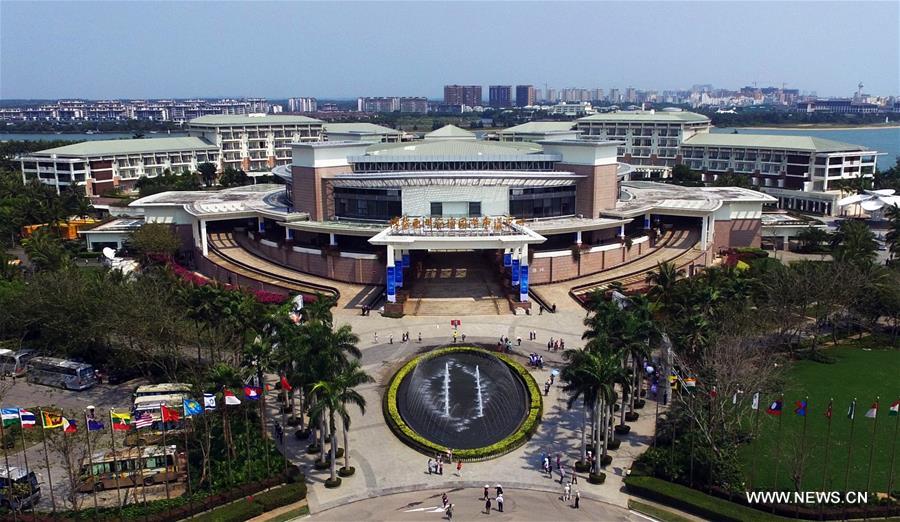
863, 369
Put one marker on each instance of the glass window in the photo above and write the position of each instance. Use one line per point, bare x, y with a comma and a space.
475, 208
437, 209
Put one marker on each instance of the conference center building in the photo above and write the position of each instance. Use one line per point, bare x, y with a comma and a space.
449, 216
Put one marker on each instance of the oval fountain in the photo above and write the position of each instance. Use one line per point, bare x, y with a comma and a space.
463, 399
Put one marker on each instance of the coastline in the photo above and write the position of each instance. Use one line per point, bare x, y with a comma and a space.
820, 127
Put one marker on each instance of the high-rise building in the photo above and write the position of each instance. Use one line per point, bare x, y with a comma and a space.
378, 104
302, 105
525, 95
597, 95
500, 95
551, 95
414, 104
462, 95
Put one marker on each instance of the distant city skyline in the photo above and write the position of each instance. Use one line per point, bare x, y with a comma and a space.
343, 50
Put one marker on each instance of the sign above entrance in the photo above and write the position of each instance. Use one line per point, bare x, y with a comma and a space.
423, 224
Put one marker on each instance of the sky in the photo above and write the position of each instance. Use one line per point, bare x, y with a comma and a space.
349, 49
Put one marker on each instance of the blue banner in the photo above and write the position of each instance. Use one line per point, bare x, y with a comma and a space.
262, 225
515, 272
647, 221
523, 282
507, 260
391, 283
399, 273
405, 260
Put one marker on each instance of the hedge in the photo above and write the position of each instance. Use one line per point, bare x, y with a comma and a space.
255, 505
525, 430
693, 501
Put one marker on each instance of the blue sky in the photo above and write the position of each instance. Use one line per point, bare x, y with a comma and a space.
349, 49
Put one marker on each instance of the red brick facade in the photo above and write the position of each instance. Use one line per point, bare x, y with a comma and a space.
311, 192
737, 233
596, 192
562, 268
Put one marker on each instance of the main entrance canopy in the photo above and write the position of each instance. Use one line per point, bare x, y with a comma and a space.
475, 233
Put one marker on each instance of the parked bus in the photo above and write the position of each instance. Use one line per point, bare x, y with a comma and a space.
166, 388
52, 371
130, 467
152, 404
21, 492
13, 364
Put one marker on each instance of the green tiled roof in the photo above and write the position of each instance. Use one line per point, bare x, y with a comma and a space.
450, 131
540, 126
362, 127
453, 148
135, 146
275, 119
771, 141
648, 116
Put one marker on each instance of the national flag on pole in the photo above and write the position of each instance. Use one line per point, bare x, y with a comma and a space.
894, 409
192, 407
690, 382
775, 408
51, 420
755, 404
209, 401
10, 416
828, 411
94, 425
734, 398
851, 411
285, 385
69, 426
251, 392
230, 398
713, 393
800, 408
873, 411
27, 419
142, 419
120, 421
169, 414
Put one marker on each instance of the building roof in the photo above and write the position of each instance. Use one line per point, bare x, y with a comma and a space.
359, 127
648, 117
540, 127
264, 119
453, 148
247, 201
451, 132
771, 141
642, 197
133, 146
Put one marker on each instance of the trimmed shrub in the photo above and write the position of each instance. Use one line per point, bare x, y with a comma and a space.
322, 465
605, 460
632, 416
332, 483
613, 444
313, 448
582, 466
597, 478
622, 429
639, 404
525, 430
347, 472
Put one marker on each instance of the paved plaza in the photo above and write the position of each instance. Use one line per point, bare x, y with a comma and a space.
398, 475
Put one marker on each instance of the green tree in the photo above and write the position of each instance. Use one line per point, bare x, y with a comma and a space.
892, 238
45, 251
663, 282
207, 173
812, 239
854, 242
154, 239
683, 175
232, 177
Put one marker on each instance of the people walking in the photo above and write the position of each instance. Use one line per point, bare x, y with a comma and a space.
562, 474
486, 494
574, 477
487, 506
420, 337
459, 468
449, 512
430, 466
577, 498
440, 467
547, 388
376, 337
499, 490
500, 503
445, 500
567, 493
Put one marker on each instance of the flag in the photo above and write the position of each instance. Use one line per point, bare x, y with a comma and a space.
775, 408
69, 425
828, 411
192, 407
285, 385
94, 425
800, 408
851, 411
51, 420
690, 382
209, 401
169, 414
251, 392
230, 399
894, 409
755, 404
142, 419
120, 421
873, 411
27, 419
10, 416
734, 398
713, 393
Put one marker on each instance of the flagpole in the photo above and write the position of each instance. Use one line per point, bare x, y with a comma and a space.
90, 456
187, 465
46, 457
247, 437
872, 447
803, 443
140, 446
778, 446
226, 431
850, 446
68, 455
8, 474
112, 437
162, 417
893, 452
827, 445
755, 434
283, 429
24, 449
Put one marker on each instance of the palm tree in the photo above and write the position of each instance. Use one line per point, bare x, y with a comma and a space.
854, 242
326, 405
45, 251
892, 238
663, 282
319, 310
346, 382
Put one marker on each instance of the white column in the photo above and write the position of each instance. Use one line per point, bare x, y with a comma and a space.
647, 223
288, 233
523, 253
578, 237
331, 240
203, 240
622, 231
260, 225
703, 231
392, 298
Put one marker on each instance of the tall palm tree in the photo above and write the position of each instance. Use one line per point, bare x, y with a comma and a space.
346, 383
892, 238
319, 310
854, 242
663, 282
45, 251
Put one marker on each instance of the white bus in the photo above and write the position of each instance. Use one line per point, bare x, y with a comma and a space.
166, 388
21, 492
152, 404
130, 467
13, 364
52, 371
